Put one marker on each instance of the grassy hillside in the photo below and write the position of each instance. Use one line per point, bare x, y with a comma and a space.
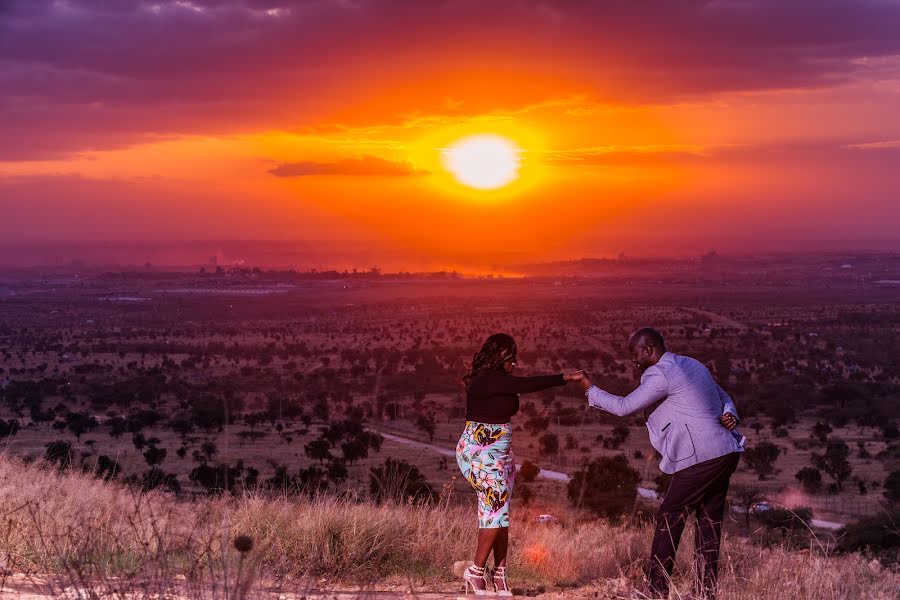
67, 529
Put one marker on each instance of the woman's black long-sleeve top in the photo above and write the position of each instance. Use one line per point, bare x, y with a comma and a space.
493, 396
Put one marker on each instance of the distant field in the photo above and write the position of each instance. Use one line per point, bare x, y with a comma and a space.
792, 349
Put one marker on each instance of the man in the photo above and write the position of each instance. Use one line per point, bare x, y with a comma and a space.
693, 428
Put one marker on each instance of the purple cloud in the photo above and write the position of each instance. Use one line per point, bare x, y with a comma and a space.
364, 166
79, 74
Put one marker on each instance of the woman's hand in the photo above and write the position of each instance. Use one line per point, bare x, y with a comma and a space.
581, 376
575, 376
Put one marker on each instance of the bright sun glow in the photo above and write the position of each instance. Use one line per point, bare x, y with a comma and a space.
484, 162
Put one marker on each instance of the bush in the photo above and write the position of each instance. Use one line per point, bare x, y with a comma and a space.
606, 485
786, 519
529, 471
892, 486
59, 453
878, 535
399, 481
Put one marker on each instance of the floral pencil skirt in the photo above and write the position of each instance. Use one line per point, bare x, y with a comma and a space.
484, 455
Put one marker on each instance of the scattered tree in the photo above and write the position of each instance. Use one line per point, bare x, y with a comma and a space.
892, 486
834, 462
761, 458
319, 450
810, 478
606, 485
549, 443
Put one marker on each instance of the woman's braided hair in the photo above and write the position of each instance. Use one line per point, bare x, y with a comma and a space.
497, 349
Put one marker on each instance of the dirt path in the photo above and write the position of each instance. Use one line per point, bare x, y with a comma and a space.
45, 587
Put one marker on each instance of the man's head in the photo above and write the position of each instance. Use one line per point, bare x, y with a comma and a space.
646, 346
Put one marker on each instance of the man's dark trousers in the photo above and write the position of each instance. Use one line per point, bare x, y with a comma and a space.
700, 489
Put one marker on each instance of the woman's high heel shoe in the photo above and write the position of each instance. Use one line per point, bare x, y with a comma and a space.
476, 578
499, 581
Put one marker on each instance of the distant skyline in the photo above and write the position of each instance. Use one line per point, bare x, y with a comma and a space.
654, 128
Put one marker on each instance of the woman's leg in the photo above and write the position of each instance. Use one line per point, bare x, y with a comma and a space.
487, 538
501, 546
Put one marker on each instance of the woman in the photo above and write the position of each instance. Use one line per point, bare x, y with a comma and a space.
484, 452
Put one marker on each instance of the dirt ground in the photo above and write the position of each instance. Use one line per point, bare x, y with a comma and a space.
42, 587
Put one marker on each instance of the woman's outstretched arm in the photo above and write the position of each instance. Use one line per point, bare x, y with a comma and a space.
510, 384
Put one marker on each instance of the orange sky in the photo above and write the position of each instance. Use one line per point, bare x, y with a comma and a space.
641, 132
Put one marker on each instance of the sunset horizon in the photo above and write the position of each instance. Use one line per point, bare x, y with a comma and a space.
670, 129
547, 299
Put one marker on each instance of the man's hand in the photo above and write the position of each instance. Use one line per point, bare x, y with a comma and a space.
728, 421
586, 382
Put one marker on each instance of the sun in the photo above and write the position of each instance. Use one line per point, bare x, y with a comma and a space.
483, 161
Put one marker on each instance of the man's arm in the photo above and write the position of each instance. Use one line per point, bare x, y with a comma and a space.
654, 387
727, 402
728, 408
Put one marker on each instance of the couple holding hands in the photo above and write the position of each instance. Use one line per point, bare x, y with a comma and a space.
692, 426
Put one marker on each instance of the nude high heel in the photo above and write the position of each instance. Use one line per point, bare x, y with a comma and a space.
499, 581
476, 577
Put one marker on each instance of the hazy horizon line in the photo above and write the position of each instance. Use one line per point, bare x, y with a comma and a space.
345, 255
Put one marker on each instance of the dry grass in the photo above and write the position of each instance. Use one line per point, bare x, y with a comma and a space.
106, 538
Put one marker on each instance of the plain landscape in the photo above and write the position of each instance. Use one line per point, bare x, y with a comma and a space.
152, 415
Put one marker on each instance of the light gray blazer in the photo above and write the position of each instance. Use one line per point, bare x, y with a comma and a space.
685, 427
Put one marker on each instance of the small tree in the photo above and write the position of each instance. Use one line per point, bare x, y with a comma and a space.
8, 428
549, 443
207, 451
427, 424
748, 497
312, 480
529, 471
79, 423
354, 450
319, 450
106, 468
154, 456
337, 471
820, 431
251, 436
156, 479
761, 458
892, 486
182, 426
524, 494
620, 435
810, 478
834, 462
536, 425
606, 485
